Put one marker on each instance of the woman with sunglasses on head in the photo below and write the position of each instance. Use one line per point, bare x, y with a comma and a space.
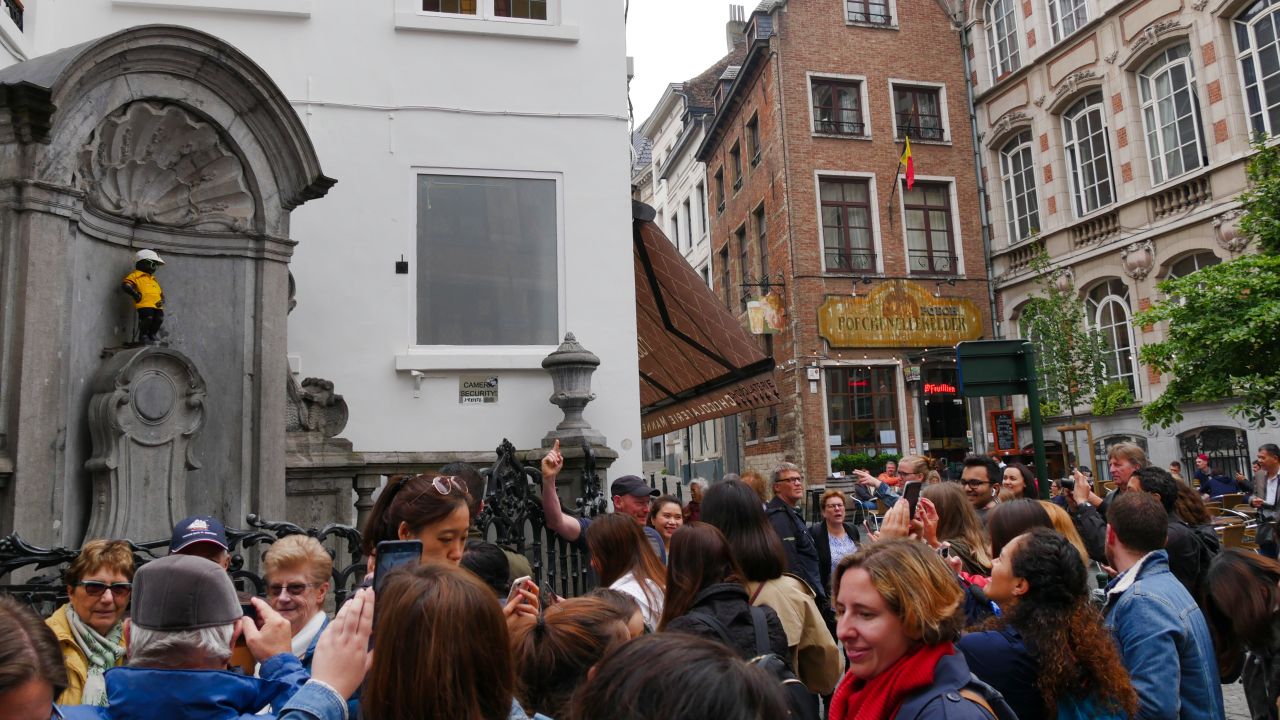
432, 509
90, 627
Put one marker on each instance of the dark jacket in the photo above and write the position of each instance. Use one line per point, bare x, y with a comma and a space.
942, 700
1000, 659
1215, 485
802, 551
729, 603
1261, 677
822, 539
1189, 555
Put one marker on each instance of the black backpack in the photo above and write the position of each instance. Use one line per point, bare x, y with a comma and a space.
803, 705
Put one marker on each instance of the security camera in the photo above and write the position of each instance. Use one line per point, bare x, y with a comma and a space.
417, 373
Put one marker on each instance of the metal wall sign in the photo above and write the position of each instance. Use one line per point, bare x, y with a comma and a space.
477, 389
898, 313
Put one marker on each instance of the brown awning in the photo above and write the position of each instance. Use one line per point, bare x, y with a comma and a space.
696, 360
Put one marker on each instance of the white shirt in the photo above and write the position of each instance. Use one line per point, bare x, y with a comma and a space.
303, 639
651, 613
1271, 486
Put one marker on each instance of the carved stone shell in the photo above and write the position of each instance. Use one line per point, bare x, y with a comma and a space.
160, 164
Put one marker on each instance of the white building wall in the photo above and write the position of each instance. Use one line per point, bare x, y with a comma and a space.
385, 92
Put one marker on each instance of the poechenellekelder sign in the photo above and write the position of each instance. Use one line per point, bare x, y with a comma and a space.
898, 313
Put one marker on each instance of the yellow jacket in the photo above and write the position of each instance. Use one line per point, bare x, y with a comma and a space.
72, 656
146, 285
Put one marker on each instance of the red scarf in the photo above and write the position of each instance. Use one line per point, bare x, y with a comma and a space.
880, 697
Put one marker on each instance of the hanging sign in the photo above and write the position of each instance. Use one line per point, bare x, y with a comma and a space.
765, 314
898, 313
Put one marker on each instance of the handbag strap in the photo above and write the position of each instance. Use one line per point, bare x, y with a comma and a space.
761, 626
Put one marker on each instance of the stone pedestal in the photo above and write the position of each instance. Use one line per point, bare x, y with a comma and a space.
571, 484
147, 406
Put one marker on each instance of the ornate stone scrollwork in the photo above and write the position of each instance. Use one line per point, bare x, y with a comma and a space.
1110, 57
160, 164
1227, 229
313, 406
1073, 81
1065, 280
1138, 259
1150, 35
1038, 102
1006, 122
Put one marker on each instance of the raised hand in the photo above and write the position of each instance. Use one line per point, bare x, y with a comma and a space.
342, 654
552, 462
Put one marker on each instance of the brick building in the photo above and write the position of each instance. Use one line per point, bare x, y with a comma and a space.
876, 283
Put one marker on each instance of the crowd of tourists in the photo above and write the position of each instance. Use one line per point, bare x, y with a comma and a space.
968, 600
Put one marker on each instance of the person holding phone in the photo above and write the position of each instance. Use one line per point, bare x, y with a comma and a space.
430, 509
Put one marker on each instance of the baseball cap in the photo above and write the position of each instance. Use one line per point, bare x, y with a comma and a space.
634, 486
1203, 457
183, 592
199, 528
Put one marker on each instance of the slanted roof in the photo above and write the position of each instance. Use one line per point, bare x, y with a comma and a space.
642, 150
701, 90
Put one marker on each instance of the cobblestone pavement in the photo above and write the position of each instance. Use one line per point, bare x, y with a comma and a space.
1233, 699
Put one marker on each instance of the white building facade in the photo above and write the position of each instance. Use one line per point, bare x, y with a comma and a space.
481, 211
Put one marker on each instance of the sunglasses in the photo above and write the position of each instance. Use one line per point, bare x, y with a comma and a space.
294, 589
95, 588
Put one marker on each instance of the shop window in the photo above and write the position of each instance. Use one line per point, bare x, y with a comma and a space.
944, 421
862, 409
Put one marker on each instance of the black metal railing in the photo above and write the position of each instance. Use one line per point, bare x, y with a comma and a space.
838, 260
931, 130
923, 261
837, 127
512, 516
15, 10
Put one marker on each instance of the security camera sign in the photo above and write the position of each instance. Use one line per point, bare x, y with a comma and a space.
477, 389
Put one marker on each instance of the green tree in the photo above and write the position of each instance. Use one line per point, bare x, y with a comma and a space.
1224, 320
1068, 349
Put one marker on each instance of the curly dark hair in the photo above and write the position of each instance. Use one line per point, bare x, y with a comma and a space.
1062, 628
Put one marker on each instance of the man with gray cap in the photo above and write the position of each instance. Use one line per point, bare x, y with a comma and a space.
631, 496
185, 619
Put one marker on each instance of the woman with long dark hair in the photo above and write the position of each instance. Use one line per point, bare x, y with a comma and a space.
554, 655
1008, 520
735, 510
666, 516
429, 508
959, 526
623, 560
1243, 608
705, 587
1017, 481
1049, 653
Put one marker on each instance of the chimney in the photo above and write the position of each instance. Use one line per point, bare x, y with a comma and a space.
735, 29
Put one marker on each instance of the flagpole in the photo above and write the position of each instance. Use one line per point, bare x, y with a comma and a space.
893, 191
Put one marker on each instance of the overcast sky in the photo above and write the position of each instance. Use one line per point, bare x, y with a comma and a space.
672, 41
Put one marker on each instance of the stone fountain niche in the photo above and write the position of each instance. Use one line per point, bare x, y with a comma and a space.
164, 138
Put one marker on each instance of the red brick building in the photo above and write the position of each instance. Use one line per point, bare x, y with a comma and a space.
877, 282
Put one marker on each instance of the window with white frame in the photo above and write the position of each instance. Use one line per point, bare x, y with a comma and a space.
1193, 263
1171, 114
1002, 37
837, 107
1258, 52
1110, 314
1084, 129
1018, 177
513, 9
1067, 16
487, 260
688, 225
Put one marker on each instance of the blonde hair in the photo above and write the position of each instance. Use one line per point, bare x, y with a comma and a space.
299, 551
915, 583
114, 555
919, 464
755, 480
1062, 523
1129, 452
833, 493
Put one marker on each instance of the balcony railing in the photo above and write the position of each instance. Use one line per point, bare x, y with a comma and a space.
1095, 230
1020, 257
931, 131
924, 262
832, 127
839, 261
15, 10
1180, 198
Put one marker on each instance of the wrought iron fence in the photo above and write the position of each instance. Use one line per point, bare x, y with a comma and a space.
512, 516
15, 10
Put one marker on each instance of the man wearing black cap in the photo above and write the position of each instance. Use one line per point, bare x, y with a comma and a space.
201, 536
631, 496
185, 619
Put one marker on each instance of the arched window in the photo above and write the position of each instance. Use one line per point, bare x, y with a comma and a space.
1067, 16
1171, 114
1018, 177
1258, 52
1084, 128
1192, 263
1110, 315
1002, 37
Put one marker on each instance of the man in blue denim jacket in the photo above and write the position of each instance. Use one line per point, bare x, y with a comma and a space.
1163, 639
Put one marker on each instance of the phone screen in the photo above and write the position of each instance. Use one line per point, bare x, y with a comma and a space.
911, 491
391, 555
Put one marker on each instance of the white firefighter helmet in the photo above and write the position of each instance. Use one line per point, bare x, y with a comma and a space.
147, 255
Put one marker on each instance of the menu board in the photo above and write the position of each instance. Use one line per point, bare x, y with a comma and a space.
1004, 429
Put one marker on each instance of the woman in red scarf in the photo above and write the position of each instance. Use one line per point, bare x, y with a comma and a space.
898, 610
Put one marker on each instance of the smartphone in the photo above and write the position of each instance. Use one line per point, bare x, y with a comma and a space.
516, 586
911, 491
391, 555
548, 596
249, 611
866, 525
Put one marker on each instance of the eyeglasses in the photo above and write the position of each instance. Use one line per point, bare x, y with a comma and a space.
95, 588
835, 506
294, 589
796, 479
974, 483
